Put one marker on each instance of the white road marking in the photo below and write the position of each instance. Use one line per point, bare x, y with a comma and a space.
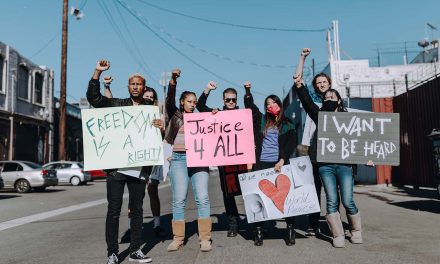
52, 213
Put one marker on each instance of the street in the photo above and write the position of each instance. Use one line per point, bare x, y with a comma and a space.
65, 224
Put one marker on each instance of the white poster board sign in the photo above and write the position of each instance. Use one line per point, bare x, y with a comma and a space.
121, 137
270, 195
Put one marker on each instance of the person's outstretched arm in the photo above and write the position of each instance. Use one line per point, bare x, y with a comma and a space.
170, 102
201, 102
107, 81
94, 96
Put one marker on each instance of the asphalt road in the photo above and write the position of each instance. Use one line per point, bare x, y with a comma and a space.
65, 224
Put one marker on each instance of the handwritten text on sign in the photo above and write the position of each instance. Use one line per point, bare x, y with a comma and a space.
356, 138
121, 137
224, 138
270, 195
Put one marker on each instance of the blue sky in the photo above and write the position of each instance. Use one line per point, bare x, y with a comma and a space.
29, 25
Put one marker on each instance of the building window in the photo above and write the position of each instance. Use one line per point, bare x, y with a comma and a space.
38, 88
23, 82
2, 74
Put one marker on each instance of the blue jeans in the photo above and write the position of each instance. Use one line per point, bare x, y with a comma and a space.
180, 175
334, 177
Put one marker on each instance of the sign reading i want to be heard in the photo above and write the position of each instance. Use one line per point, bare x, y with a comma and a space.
356, 138
121, 137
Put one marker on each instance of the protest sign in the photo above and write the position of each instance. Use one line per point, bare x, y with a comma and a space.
121, 137
270, 195
224, 138
356, 138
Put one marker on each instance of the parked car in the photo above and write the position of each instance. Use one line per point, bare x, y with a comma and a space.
2, 184
25, 175
69, 172
97, 174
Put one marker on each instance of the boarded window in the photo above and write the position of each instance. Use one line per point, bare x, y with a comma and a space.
23, 82
38, 88
2, 62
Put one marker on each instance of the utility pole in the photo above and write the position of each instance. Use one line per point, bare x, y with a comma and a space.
62, 131
165, 77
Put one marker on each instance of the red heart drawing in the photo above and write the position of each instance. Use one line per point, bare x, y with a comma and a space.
278, 192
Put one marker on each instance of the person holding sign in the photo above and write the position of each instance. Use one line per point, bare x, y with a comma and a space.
227, 173
275, 141
321, 83
116, 180
333, 176
181, 175
150, 95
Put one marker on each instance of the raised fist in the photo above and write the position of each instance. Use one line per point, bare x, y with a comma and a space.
175, 74
108, 80
211, 85
247, 85
305, 52
102, 65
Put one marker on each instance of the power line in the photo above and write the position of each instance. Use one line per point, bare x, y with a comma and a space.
119, 34
132, 39
46, 45
227, 58
137, 17
232, 24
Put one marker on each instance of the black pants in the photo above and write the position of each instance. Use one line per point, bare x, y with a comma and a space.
115, 190
228, 200
262, 165
314, 218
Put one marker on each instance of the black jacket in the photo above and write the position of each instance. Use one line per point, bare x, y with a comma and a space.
175, 116
286, 137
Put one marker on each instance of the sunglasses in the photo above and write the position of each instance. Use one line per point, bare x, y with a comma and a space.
227, 100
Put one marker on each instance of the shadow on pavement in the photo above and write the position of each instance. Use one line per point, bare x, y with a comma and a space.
422, 193
432, 206
148, 235
4, 197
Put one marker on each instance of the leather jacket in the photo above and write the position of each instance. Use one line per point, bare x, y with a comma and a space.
174, 114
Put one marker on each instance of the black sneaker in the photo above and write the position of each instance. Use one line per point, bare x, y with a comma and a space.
159, 232
313, 231
139, 257
112, 259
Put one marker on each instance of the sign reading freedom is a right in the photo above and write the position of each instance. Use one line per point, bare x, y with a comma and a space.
356, 138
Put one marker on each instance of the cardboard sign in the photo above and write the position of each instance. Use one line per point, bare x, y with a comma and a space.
356, 138
121, 137
224, 138
270, 195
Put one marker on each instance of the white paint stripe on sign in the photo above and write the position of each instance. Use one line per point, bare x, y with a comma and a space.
41, 216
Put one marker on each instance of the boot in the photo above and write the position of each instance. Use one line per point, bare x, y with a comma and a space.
178, 235
355, 228
258, 236
290, 239
205, 228
335, 224
233, 226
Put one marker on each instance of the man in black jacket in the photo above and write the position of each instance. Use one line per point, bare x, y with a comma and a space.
227, 173
116, 180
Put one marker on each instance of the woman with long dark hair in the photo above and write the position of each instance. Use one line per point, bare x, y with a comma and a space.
181, 175
337, 179
275, 141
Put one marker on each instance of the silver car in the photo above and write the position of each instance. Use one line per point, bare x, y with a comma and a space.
25, 175
69, 172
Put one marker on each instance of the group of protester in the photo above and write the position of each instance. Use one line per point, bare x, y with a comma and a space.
275, 142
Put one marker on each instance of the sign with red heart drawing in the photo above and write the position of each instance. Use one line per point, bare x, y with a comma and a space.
270, 195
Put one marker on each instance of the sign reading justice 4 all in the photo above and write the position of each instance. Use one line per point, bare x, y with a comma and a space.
121, 137
356, 138
224, 138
